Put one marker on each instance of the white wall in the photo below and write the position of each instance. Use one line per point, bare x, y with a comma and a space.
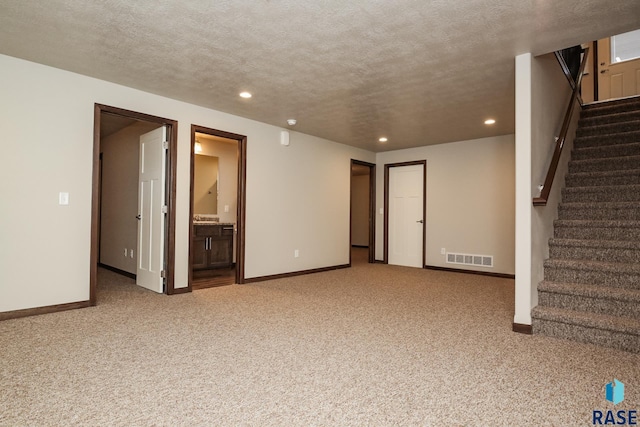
360, 210
119, 226
470, 200
542, 96
297, 196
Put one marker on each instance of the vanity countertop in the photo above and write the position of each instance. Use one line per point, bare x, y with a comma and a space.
213, 223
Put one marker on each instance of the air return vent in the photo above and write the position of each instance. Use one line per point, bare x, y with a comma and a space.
470, 259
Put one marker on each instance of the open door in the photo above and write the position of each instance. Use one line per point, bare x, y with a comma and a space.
151, 207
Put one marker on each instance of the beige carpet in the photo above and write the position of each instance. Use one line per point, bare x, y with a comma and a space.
373, 345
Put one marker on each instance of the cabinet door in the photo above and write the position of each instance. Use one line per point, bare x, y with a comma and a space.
221, 252
200, 252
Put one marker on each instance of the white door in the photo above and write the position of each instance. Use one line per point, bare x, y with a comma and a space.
151, 219
616, 79
406, 214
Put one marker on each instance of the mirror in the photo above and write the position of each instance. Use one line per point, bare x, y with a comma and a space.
205, 184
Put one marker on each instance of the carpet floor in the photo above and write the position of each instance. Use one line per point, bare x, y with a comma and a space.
372, 345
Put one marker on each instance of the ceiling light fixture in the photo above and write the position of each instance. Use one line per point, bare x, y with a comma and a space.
291, 122
197, 147
246, 95
383, 139
489, 121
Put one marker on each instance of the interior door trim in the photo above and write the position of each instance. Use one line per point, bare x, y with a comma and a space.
241, 198
388, 166
372, 210
170, 241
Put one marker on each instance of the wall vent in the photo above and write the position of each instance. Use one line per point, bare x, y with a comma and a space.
470, 259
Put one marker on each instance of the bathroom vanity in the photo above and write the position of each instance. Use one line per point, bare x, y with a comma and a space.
212, 245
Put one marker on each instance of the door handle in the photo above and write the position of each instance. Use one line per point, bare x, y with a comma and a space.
604, 71
420, 221
138, 217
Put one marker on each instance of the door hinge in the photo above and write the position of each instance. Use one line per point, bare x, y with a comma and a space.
165, 209
165, 145
163, 274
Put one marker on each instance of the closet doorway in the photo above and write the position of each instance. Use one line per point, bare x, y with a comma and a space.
217, 208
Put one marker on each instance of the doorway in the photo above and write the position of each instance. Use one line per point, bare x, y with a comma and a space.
404, 213
617, 60
362, 209
105, 116
217, 208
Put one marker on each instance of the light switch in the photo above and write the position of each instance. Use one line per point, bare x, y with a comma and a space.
63, 198
226, 208
381, 211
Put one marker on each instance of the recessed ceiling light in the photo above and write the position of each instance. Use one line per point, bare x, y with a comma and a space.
489, 121
245, 94
383, 139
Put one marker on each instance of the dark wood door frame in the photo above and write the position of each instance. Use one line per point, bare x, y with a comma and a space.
170, 241
241, 197
372, 209
388, 166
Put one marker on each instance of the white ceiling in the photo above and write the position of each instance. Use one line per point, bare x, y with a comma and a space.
418, 72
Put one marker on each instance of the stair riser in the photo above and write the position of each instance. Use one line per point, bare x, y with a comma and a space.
592, 305
608, 129
600, 278
598, 120
596, 213
578, 195
592, 181
594, 254
603, 165
621, 150
597, 233
610, 339
595, 141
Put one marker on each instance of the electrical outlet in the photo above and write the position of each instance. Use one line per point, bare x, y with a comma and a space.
443, 251
296, 253
131, 253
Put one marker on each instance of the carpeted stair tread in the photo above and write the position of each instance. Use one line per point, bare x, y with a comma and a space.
601, 193
606, 151
604, 164
607, 244
596, 223
591, 320
612, 139
610, 107
600, 210
599, 266
591, 291
608, 128
600, 178
627, 251
613, 117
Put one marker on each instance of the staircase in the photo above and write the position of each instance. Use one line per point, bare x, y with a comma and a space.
591, 290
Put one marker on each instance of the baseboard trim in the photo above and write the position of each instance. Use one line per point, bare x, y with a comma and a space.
379, 261
522, 328
295, 273
15, 314
117, 270
177, 291
480, 273
360, 246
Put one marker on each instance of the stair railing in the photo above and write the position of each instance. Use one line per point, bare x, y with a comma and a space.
575, 95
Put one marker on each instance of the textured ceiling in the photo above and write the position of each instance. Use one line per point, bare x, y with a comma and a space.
418, 72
